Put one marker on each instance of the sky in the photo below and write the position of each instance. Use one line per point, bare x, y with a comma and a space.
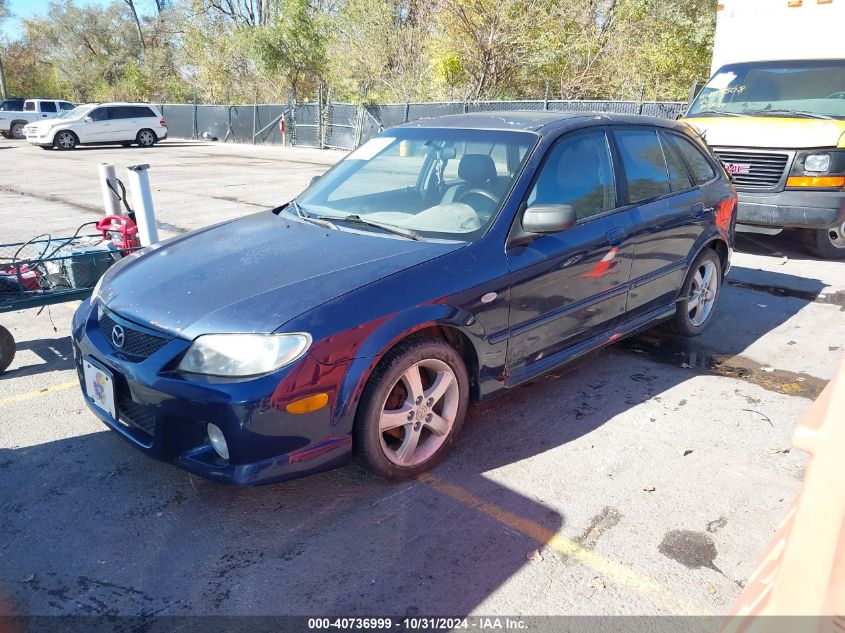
28, 8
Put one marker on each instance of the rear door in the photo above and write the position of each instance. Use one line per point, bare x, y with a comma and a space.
47, 109
122, 123
570, 286
667, 215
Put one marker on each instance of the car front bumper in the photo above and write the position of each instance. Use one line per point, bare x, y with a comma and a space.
788, 209
165, 414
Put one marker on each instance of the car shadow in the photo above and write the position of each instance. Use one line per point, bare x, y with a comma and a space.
56, 354
93, 527
786, 243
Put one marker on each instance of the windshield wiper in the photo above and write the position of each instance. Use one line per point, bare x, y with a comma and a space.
318, 220
354, 218
716, 113
785, 111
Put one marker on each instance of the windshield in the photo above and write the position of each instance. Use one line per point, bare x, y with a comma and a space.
78, 111
784, 88
436, 183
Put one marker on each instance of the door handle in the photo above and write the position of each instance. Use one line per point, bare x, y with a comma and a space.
616, 235
697, 209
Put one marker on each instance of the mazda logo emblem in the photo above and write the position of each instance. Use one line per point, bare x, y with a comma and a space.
118, 336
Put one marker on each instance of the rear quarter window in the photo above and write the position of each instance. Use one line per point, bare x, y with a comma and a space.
700, 167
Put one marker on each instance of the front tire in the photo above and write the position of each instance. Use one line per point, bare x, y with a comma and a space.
17, 131
825, 243
699, 294
146, 138
65, 140
412, 408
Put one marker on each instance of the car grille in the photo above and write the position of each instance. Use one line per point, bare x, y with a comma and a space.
765, 169
137, 344
140, 416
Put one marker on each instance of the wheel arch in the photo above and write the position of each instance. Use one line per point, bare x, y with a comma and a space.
444, 323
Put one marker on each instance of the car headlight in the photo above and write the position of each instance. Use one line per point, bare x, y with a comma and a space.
817, 162
239, 355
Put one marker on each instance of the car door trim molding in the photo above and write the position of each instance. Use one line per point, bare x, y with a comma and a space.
656, 274
564, 310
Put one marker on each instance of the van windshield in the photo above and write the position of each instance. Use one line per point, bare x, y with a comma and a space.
798, 89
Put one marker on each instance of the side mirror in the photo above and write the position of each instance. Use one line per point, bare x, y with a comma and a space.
88, 119
548, 218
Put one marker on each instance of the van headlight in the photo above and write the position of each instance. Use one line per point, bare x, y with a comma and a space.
817, 162
240, 355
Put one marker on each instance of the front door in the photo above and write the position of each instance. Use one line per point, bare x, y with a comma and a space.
570, 286
98, 129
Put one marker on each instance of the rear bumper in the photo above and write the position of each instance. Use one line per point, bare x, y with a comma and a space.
786, 209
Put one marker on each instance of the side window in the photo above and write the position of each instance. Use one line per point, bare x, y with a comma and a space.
578, 171
700, 167
678, 177
48, 106
64, 106
29, 106
99, 114
144, 113
645, 168
120, 112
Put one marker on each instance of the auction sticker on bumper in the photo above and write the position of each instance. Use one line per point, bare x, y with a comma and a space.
99, 386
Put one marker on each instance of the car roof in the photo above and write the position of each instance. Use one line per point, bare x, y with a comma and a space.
541, 122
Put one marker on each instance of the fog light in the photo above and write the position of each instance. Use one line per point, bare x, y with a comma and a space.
218, 442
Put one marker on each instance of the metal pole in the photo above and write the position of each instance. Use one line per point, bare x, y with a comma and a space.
111, 203
320, 115
142, 202
2, 79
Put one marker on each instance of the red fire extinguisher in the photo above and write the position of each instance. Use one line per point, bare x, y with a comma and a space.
122, 231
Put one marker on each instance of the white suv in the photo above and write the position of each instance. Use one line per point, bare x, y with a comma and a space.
100, 124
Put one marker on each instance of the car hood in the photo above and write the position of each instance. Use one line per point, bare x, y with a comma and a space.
253, 274
770, 132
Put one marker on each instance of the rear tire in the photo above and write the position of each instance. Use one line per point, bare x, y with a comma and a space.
825, 243
17, 131
412, 408
7, 348
699, 294
146, 138
65, 140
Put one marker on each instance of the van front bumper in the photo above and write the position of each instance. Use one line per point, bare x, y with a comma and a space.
791, 209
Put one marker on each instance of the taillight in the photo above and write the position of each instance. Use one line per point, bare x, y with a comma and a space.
725, 212
162, 123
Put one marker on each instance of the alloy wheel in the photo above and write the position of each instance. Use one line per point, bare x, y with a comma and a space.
65, 140
837, 236
419, 412
145, 138
702, 294
18, 131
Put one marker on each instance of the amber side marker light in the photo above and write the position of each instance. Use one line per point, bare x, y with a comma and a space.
795, 3
309, 404
815, 181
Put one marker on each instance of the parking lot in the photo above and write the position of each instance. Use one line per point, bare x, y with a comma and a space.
644, 479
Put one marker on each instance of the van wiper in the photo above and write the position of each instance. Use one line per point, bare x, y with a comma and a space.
715, 113
795, 113
354, 218
319, 221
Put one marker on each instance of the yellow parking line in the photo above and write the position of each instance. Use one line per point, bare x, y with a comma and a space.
618, 572
31, 395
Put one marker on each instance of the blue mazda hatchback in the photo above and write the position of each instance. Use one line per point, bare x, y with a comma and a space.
443, 262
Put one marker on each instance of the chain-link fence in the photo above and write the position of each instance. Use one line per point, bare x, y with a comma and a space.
346, 125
